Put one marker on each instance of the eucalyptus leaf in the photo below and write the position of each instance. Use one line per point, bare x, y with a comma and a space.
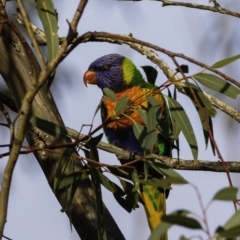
204, 101
49, 127
48, 17
218, 84
143, 114
140, 133
182, 220
98, 199
181, 119
151, 137
61, 165
159, 231
105, 181
73, 177
226, 61
109, 93
226, 194
121, 105
231, 228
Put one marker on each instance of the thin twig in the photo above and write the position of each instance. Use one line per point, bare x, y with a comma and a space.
163, 66
216, 8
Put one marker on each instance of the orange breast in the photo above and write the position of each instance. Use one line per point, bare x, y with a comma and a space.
138, 99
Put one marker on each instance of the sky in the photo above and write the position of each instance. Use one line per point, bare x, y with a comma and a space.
34, 213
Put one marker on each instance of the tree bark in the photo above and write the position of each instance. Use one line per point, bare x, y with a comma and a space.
18, 66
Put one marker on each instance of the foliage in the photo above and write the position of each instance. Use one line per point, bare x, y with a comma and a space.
125, 189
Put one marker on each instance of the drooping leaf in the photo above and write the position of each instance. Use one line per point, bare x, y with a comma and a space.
121, 105
73, 177
218, 84
175, 130
121, 172
226, 194
203, 100
151, 74
180, 218
183, 238
109, 93
49, 127
130, 199
140, 133
65, 158
143, 114
159, 231
151, 137
135, 180
99, 204
92, 145
207, 107
181, 119
231, 229
225, 61
48, 17
168, 172
109, 185
120, 197
97, 109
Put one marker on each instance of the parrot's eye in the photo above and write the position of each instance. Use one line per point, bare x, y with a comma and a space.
104, 67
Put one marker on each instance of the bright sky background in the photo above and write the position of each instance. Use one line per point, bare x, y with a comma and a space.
34, 213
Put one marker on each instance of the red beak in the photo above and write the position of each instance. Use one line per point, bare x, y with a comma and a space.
89, 77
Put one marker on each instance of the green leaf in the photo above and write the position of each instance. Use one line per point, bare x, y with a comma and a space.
92, 145
48, 17
65, 158
49, 127
140, 133
181, 119
121, 105
151, 73
225, 61
99, 204
180, 218
168, 172
71, 178
109, 93
183, 238
207, 107
159, 231
231, 228
135, 180
151, 137
106, 182
204, 101
143, 114
226, 194
120, 172
129, 199
218, 84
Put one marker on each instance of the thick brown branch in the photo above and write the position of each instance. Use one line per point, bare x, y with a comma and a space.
179, 164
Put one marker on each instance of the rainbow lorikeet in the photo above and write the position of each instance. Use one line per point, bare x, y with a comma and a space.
120, 75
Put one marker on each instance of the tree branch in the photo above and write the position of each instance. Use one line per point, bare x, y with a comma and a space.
215, 8
147, 51
178, 164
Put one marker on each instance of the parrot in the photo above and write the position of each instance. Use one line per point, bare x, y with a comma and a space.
119, 74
